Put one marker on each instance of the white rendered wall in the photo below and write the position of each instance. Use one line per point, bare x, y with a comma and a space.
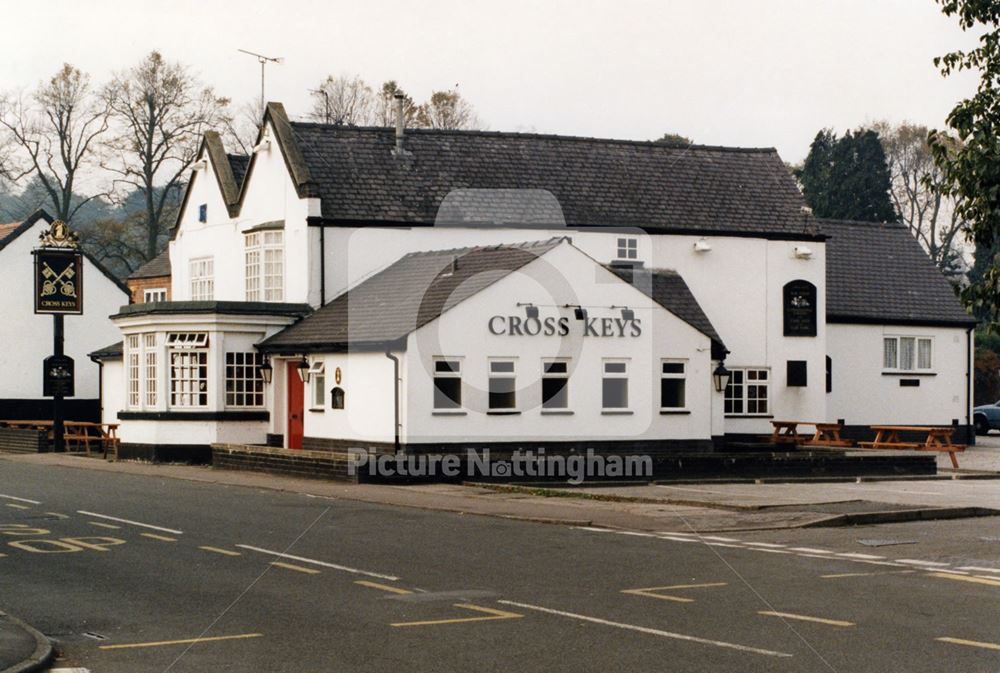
27, 338
270, 197
366, 378
113, 391
463, 332
863, 395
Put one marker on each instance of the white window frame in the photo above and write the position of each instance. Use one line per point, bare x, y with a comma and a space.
454, 373
244, 392
564, 376
606, 375
499, 374
628, 248
744, 397
317, 383
154, 294
894, 363
674, 376
202, 274
133, 371
264, 265
151, 370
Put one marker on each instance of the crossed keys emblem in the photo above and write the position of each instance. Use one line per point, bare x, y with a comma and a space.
65, 280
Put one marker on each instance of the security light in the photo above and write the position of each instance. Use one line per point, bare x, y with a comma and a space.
531, 311
267, 371
580, 313
628, 314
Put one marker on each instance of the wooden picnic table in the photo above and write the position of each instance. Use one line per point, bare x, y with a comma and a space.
826, 434
937, 438
80, 432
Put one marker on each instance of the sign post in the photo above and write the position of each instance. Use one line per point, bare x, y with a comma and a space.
58, 291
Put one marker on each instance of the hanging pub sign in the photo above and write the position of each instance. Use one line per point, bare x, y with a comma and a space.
58, 376
58, 272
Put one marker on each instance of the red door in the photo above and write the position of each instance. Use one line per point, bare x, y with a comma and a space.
296, 391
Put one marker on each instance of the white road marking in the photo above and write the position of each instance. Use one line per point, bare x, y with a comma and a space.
69, 670
335, 566
12, 497
811, 550
131, 523
644, 629
867, 557
769, 545
637, 533
677, 539
592, 529
917, 562
724, 544
718, 538
770, 551
977, 569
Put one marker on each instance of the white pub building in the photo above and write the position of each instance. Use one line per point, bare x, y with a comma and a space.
429, 290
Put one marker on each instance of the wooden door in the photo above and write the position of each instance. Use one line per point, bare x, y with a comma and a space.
296, 407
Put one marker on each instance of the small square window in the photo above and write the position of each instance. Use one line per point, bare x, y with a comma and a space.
628, 248
203, 212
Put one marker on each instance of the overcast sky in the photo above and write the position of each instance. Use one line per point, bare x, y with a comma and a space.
752, 73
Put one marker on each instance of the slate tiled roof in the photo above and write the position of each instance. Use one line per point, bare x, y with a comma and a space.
597, 182
157, 267
112, 352
405, 296
879, 273
668, 289
238, 163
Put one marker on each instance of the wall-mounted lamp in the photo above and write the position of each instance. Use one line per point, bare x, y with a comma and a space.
267, 371
531, 311
721, 377
303, 368
580, 313
803, 252
628, 314
263, 146
702, 245
199, 165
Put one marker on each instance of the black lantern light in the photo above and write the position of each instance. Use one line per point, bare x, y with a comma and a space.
531, 311
267, 371
303, 368
721, 377
628, 314
580, 313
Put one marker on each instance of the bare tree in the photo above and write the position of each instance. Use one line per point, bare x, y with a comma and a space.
343, 100
242, 128
918, 193
385, 106
447, 110
55, 131
160, 111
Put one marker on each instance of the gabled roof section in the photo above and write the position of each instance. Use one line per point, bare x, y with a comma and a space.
229, 186
238, 163
405, 296
14, 232
879, 274
602, 183
10, 231
157, 267
668, 289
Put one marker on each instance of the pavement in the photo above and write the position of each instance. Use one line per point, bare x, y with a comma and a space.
22, 648
128, 570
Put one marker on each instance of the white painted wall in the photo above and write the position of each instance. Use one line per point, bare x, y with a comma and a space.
463, 332
366, 378
112, 391
863, 395
271, 196
27, 338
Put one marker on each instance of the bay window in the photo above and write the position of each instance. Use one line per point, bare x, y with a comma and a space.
264, 265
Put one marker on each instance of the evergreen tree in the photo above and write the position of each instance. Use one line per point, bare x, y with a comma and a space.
847, 178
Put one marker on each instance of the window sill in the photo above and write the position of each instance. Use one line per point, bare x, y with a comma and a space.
616, 412
897, 372
675, 412
749, 416
449, 412
511, 412
557, 412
